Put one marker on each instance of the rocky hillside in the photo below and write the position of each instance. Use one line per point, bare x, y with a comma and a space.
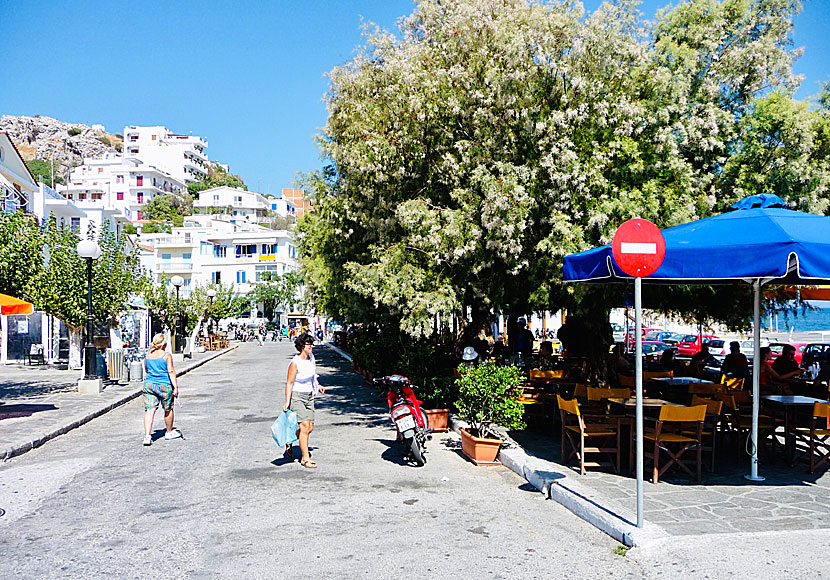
46, 138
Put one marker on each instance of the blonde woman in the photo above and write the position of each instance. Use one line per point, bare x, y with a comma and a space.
160, 388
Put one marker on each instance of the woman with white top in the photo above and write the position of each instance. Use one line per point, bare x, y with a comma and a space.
300, 390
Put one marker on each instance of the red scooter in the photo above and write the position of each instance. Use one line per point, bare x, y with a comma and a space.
411, 423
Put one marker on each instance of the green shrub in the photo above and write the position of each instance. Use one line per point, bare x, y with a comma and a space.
488, 395
74, 131
105, 140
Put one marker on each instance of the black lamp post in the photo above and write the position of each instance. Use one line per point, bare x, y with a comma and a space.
211, 293
177, 281
89, 250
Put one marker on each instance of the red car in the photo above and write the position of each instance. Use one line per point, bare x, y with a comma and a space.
631, 334
777, 347
690, 344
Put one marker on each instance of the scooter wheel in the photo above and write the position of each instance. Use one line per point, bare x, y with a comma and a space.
419, 458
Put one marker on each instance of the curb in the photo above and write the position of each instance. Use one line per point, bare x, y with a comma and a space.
29, 445
561, 486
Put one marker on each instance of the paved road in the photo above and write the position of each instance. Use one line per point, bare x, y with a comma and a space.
224, 503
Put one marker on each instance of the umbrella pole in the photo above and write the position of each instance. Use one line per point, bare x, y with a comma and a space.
4, 347
638, 349
756, 379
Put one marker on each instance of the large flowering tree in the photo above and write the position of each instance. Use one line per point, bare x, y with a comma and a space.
493, 137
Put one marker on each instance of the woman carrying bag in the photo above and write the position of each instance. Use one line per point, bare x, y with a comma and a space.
301, 387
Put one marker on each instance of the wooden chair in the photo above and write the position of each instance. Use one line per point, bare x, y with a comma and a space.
674, 436
578, 427
215, 342
711, 426
554, 374
580, 391
35, 353
648, 375
702, 389
816, 439
737, 414
628, 381
733, 383
600, 394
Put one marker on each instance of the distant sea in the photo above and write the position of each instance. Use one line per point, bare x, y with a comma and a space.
809, 321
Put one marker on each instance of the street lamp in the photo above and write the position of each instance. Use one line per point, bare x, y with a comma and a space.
89, 250
211, 294
177, 281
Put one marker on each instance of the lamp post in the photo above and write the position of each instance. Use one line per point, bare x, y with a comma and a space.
211, 294
89, 250
177, 281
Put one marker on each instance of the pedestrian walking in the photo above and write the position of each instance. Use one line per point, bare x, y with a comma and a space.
261, 334
160, 388
301, 387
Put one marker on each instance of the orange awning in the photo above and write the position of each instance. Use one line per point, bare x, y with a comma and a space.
12, 305
816, 293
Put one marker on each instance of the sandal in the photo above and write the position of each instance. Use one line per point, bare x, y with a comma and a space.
289, 451
309, 464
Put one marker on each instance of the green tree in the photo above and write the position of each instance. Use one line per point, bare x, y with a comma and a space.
20, 254
43, 170
276, 292
216, 177
168, 209
470, 155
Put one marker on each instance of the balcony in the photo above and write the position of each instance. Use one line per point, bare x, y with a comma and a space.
173, 267
174, 242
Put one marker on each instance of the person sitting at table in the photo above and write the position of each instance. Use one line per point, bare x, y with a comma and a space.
618, 361
772, 382
545, 361
667, 362
735, 364
700, 360
785, 364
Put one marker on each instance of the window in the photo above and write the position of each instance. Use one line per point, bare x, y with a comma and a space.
240, 277
140, 196
76, 224
154, 137
187, 256
119, 196
292, 252
269, 249
220, 251
216, 197
165, 257
119, 179
204, 249
187, 237
262, 270
138, 215
245, 250
100, 170
237, 200
215, 277
139, 180
133, 138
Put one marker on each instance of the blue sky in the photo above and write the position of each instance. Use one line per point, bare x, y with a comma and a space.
247, 76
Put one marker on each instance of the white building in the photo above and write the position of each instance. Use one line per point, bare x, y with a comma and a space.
47, 202
118, 183
238, 206
182, 156
207, 250
17, 184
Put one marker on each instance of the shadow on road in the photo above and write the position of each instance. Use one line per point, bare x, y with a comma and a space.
23, 410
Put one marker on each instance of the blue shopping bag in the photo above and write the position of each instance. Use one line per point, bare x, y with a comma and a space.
284, 429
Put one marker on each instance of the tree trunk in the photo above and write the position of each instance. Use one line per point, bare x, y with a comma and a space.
75, 342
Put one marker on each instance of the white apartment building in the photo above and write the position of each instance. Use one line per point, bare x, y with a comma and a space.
207, 250
17, 184
182, 156
47, 202
118, 183
237, 205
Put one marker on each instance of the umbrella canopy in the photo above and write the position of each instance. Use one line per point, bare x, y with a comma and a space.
770, 244
11, 305
758, 243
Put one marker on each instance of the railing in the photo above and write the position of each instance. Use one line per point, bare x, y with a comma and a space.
174, 266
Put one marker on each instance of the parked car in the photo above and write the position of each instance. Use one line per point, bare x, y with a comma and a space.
632, 338
652, 350
719, 348
663, 336
777, 347
690, 345
815, 352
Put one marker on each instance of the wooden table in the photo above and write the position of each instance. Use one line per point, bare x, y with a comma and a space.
790, 404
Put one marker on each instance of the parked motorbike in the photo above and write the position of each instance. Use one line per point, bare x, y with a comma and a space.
411, 423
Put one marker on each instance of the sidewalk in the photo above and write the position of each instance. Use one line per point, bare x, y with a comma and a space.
40, 403
723, 503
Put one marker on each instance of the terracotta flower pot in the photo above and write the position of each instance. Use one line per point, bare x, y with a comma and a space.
438, 419
480, 450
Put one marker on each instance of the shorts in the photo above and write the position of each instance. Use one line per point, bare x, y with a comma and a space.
303, 405
155, 393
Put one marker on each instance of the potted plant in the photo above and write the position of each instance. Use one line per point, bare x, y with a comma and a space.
488, 395
438, 394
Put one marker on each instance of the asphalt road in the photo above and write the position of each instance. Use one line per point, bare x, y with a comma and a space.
224, 503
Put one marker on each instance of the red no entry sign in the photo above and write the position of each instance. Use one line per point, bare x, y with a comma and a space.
639, 247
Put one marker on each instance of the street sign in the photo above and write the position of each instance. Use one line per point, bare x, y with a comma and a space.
638, 247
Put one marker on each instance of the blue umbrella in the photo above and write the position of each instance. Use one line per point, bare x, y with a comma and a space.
758, 243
